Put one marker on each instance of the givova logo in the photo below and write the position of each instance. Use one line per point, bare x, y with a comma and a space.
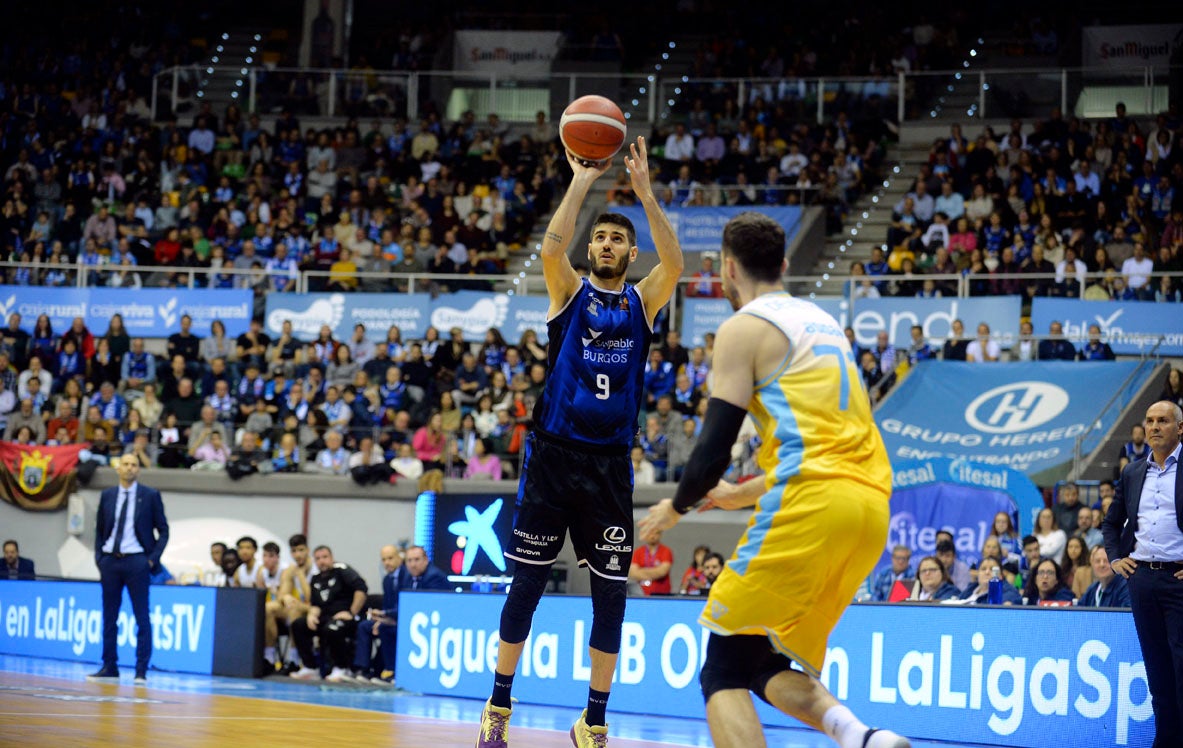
307, 322
1020, 406
477, 319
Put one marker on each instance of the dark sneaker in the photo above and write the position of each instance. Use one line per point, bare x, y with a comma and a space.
104, 675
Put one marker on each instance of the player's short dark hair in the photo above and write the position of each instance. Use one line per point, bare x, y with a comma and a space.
718, 556
1029, 539
247, 539
14, 544
271, 547
297, 539
218, 543
758, 243
323, 548
616, 219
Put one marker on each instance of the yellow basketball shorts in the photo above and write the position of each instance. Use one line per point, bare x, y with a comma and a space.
807, 548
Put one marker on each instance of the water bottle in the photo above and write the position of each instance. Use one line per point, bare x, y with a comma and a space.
994, 593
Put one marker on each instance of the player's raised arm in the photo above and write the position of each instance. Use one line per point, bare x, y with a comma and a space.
657, 287
561, 279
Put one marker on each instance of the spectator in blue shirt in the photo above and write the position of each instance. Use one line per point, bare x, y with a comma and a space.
1095, 349
110, 403
1056, 347
1110, 590
900, 569
659, 378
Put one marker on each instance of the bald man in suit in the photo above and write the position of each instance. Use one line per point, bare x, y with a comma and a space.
1144, 534
130, 535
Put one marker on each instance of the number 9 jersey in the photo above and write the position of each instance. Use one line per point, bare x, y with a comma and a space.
598, 346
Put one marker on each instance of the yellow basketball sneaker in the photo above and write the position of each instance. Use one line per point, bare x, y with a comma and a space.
494, 727
584, 735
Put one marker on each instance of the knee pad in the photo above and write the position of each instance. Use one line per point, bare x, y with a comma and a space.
529, 582
744, 662
608, 597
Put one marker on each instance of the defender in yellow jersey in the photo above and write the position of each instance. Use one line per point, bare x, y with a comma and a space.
821, 510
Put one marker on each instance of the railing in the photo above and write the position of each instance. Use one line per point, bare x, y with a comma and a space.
1120, 395
529, 281
916, 96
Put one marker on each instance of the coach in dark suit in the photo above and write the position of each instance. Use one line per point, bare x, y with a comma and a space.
130, 535
15, 565
1144, 533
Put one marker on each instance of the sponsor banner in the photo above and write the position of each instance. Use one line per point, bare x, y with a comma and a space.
474, 312
513, 53
700, 316
1133, 46
700, 229
935, 316
64, 621
38, 478
464, 533
958, 495
1026, 416
1129, 327
960, 671
147, 312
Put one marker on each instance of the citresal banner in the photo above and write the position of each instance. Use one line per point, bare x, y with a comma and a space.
36, 477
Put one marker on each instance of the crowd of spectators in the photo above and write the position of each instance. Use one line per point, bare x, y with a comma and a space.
1066, 207
375, 410
1063, 562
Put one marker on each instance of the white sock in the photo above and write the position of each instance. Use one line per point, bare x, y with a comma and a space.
269, 654
845, 728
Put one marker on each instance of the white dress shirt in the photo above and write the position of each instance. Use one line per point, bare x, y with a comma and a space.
129, 543
1157, 536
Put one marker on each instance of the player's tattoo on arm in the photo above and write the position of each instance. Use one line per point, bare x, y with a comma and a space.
558, 239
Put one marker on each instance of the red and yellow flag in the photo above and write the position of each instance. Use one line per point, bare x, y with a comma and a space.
36, 477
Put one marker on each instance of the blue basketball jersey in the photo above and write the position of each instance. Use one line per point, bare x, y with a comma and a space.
598, 345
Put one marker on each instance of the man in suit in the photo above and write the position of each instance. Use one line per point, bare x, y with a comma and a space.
16, 567
417, 573
1144, 534
130, 534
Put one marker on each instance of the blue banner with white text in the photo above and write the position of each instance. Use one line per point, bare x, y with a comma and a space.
957, 495
700, 229
474, 312
146, 312
1026, 415
700, 316
935, 317
1129, 327
980, 674
64, 621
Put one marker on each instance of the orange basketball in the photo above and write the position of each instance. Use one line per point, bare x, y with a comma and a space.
593, 128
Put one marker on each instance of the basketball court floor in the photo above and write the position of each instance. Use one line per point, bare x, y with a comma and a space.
49, 703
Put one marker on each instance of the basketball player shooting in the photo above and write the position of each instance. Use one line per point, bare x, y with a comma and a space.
823, 497
576, 472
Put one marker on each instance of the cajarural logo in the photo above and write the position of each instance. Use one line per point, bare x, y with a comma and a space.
1020, 406
7, 308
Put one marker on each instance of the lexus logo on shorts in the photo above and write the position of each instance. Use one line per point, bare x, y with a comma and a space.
614, 535
1020, 406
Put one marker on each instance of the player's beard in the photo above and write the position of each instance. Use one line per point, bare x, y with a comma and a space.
732, 296
610, 272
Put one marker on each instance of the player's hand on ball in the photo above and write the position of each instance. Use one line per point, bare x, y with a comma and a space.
587, 169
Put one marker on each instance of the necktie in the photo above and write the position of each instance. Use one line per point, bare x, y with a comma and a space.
119, 520
414, 583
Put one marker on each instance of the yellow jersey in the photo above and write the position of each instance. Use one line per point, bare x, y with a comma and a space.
813, 414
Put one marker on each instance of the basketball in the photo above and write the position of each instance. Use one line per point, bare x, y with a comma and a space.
593, 128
